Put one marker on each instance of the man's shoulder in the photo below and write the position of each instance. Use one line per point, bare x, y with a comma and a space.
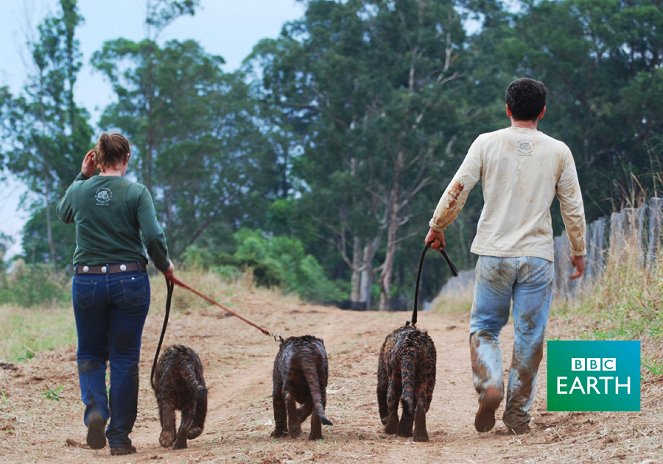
551, 139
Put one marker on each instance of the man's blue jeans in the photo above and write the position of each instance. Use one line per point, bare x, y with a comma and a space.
110, 311
528, 282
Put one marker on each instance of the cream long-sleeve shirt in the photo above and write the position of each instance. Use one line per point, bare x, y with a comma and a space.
521, 171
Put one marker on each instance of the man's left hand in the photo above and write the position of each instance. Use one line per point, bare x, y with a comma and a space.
579, 265
436, 239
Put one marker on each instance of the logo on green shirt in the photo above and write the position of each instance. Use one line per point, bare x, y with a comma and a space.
103, 196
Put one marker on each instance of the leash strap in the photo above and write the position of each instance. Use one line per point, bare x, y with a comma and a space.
176, 281
169, 298
454, 271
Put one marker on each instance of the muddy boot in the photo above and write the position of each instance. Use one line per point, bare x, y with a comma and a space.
489, 401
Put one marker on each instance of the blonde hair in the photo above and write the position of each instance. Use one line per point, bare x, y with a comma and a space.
112, 148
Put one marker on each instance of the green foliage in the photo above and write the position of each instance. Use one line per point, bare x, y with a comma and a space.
281, 261
197, 144
45, 134
34, 285
343, 131
53, 394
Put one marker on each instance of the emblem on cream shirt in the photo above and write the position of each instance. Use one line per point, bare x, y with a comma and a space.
525, 147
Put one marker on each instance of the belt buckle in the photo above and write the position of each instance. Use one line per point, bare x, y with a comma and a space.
123, 267
104, 269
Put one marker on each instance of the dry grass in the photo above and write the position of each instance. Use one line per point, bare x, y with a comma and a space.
27, 331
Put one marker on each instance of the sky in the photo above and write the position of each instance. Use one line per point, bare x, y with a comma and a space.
229, 28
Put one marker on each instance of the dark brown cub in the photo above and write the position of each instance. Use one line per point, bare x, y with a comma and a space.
406, 372
300, 383
179, 385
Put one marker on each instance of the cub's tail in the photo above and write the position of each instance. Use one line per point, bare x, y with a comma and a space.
408, 378
313, 379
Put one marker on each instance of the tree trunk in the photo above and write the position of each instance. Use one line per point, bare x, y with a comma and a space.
356, 270
393, 224
49, 228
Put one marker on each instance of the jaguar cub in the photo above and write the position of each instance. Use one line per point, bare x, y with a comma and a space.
299, 389
179, 385
406, 372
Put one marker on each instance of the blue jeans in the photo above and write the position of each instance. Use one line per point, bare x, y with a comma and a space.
110, 311
528, 282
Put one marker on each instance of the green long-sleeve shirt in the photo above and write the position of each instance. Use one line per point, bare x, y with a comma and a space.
111, 213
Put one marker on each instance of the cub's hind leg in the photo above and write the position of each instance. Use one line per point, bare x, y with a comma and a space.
294, 421
201, 413
383, 386
188, 413
393, 395
405, 424
420, 432
280, 415
167, 419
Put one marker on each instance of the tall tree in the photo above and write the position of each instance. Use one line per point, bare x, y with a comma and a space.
194, 129
367, 81
47, 130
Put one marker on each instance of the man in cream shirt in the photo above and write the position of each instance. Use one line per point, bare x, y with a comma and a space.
521, 170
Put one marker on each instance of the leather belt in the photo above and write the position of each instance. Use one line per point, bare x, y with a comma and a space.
109, 268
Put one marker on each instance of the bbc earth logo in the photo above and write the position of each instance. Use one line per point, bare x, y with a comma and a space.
593, 376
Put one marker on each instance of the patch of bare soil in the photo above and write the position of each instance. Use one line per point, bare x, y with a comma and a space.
238, 370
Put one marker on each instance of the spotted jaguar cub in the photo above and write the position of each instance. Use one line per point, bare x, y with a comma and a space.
406, 372
300, 382
179, 385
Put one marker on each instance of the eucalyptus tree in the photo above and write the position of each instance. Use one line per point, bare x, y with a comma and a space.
47, 131
601, 60
373, 87
195, 136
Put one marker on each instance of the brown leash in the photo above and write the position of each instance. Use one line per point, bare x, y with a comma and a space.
454, 271
178, 282
170, 284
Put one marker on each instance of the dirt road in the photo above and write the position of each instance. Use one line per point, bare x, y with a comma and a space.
238, 362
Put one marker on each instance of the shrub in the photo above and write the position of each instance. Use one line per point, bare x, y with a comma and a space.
31, 285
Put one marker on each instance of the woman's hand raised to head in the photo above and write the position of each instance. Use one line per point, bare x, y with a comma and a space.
89, 166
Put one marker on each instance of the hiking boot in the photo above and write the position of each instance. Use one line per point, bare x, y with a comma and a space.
123, 450
96, 437
489, 401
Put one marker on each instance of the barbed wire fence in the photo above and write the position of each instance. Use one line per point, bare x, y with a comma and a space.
638, 229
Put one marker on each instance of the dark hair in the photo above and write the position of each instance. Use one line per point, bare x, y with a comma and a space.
111, 149
526, 98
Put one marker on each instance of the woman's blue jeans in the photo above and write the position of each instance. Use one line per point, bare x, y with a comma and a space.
110, 311
528, 282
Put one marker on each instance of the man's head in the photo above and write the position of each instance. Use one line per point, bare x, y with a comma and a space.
526, 98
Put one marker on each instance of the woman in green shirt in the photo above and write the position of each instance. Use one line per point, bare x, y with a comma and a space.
115, 223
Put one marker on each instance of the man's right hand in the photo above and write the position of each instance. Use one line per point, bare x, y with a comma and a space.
170, 272
436, 239
579, 265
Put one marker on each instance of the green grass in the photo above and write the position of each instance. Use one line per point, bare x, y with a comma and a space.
27, 331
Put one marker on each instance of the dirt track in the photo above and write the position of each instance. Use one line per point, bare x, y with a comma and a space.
238, 361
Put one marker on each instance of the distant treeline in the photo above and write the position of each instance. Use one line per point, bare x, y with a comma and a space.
339, 136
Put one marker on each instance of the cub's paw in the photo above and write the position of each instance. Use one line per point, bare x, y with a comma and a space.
279, 433
194, 432
294, 433
166, 438
391, 427
180, 444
